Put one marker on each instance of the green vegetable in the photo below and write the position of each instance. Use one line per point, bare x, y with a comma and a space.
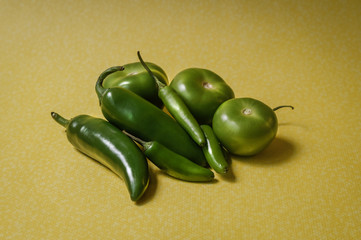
177, 108
202, 91
136, 79
142, 119
174, 164
213, 151
105, 143
245, 126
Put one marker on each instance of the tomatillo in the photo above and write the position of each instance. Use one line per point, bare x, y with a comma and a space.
136, 79
202, 91
245, 126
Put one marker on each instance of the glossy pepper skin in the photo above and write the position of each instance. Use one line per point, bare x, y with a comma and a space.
174, 164
177, 108
136, 79
105, 143
213, 151
131, 113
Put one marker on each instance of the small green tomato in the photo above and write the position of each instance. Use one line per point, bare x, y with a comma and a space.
202, 91
245, 126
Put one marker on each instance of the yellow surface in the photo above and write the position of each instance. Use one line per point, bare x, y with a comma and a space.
306, 185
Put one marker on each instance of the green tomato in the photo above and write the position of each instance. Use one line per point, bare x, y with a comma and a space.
136, 79
202, 91
245, 126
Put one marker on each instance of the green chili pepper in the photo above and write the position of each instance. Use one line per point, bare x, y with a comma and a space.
142, 119
172, 163
177, 108
105, 143
134, 78
213, 151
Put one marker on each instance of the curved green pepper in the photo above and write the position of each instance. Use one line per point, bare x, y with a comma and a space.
172, 163
131, 113
105, 143
213, 151
177, 108
134, 78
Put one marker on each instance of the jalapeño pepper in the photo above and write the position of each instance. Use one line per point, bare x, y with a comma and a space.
213, 151
177, 108
105, 143
172, 163
136, 79
131, 113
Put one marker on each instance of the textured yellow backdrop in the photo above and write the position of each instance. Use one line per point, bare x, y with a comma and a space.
306, 185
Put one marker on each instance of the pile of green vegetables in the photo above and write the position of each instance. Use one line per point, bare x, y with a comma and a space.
204, 123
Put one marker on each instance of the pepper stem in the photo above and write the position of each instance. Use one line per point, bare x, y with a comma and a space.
276, 108
99, 84
159, 83
59, 119
145, 144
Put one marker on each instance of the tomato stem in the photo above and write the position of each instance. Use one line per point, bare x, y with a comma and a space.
282, 106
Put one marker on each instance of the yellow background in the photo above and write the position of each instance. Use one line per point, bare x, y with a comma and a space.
305, 185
